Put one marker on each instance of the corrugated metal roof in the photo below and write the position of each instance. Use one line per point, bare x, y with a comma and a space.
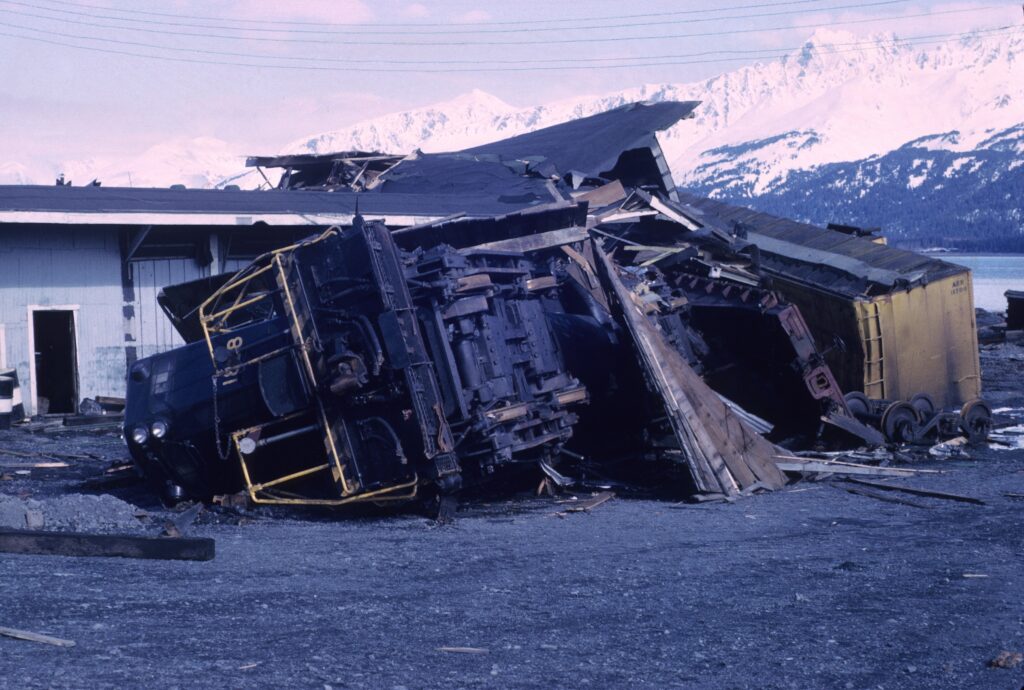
51, 204
829, 259
592, 144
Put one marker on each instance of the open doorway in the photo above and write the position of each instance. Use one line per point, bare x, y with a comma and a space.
56, 361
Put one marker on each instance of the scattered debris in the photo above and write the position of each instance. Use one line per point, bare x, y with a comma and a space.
1006, 659
35, 637
237, 501
115, 477
587, 506
178, 526
1007, 438
953, 448
463, 650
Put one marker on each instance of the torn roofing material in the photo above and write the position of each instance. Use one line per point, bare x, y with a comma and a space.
457, 173
619, 144
297, 159
834, 261
112, 205
597, 145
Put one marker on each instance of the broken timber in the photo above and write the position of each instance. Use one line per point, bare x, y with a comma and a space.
35, 637
793, 464
930, 493
882, 496
105, 545
724, 455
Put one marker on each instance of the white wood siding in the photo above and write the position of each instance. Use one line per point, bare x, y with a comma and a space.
59, 266
152, 329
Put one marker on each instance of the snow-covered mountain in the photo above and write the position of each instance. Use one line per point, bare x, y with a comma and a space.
193, 162
838, 98
858, 114
933, 191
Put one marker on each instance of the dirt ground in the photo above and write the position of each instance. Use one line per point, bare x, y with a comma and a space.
811, 587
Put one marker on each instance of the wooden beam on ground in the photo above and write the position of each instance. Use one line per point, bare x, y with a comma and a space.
919, 492
798, 465
878, 495
35, 637
587, 506
105, 545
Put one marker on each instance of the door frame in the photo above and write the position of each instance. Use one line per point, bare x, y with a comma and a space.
30, 404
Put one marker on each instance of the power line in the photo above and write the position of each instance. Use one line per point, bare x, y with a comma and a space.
520, 42
477, 69
358, 31
574, 20
911, 40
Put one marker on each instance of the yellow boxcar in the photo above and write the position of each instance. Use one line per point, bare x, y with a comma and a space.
892, 323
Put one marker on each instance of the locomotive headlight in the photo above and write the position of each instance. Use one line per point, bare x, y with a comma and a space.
139, 435
158, 429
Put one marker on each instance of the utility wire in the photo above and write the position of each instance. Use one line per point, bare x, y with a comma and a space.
910, 40
357, 30
524, 22
520, 42
478, 69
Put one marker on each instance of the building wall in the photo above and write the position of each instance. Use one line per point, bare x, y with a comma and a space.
80, 268
152, 329
63, 267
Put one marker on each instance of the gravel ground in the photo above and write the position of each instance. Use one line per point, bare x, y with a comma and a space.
805, 588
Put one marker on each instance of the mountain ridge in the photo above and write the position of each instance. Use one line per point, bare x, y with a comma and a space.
835, 112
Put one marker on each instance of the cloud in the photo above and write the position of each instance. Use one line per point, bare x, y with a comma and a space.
473, 17
416, 10
334, 11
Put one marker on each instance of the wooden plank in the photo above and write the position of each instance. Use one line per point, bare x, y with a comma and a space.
878, 495
919, 492
587, 506
839, 468
104, 545
542, 240
35, 637
723, 454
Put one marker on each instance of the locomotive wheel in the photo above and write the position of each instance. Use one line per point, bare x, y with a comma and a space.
925, 406
901, 423
976, 420
858, 404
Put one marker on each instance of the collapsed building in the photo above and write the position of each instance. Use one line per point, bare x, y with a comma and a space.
600, 323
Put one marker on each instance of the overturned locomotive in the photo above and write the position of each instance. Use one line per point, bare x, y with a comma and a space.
341, 370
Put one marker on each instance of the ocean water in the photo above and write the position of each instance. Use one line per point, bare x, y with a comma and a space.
993, 275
